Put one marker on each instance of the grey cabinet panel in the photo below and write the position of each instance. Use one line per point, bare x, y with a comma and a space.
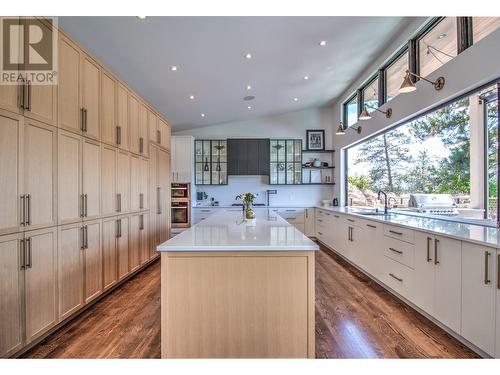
248, 157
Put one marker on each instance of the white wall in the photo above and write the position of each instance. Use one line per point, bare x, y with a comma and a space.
289, 125
474, 67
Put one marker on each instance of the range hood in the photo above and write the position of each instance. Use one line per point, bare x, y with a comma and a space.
248, 157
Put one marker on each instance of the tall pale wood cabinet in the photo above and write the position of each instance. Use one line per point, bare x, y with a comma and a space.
123, 181
29, 287
93, 260
109, 194
122, 246
27, 174
110, 232
110, 132
91, 177
143, 130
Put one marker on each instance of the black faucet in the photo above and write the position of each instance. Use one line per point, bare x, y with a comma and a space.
385, 200
269, 192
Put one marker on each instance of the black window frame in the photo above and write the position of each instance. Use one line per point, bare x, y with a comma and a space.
395, 57
372, 79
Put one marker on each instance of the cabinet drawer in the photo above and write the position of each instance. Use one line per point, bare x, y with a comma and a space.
398, 277
204, 211
399, 233
291, 211
400, 251
293, 218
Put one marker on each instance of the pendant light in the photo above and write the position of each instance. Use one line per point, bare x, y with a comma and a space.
409, 86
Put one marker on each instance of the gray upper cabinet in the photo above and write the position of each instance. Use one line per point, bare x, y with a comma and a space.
248, 157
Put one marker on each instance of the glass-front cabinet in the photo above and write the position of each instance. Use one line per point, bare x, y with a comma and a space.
210, 162
286, 162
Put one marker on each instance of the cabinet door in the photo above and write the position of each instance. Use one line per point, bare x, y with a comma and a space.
11, 260
152, 234
68, 84
143, 130
478, 296
184, 159
309, 225
134, 243
91, 176
70, 269
69, 178
40, 281
135, 183
163, 196
109, 200
153, 178
41, 100
134, 124
163, 131
122, 247
448, 281
90, 79
144, 239
144, 183
10, 97
110, 232
10, 201
39, 173
110, 132
92, 260
152, 125
424, 272
122, 116
123, 181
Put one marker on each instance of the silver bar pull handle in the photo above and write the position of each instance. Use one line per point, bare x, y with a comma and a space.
141, 201
429, 239
86, 236
158, 137
82, 119
118, 135
23, 254
141, 145
394, 232
486, 267
82, 229
85, 122
436, 242
28, 209
158, 200
337, 216
351, 220
119, 202
396, 251
320, 233
498, 271
21, 93
118, 228
85, 200
395, 277
371, 226
28, 107
23, 210
82, 205
141, 222
29, 263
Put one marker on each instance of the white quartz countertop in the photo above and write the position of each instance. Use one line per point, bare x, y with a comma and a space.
479, 234
227, 231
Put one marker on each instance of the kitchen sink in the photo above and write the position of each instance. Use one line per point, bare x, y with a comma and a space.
372, 213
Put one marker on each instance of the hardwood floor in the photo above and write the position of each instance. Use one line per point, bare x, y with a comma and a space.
355, 318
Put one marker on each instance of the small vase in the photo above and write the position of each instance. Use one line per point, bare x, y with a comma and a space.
249, 213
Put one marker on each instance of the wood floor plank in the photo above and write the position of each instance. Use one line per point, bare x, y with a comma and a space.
355, 318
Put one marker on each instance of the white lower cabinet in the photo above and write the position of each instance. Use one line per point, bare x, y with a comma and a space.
479, 290
309, 229
438, 266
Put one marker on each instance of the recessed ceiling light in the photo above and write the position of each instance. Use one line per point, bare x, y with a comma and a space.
249, 107
306, 77
173, 68
322, 43
441, 36
141, 17
202, 115
249, 87
295, 99
191, 97
248, 56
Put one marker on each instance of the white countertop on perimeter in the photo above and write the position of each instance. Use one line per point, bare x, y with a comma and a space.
479, 234
227, 231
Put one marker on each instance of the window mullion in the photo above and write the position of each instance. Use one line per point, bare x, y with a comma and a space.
464, 33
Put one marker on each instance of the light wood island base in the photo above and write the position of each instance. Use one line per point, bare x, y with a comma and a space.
237, 304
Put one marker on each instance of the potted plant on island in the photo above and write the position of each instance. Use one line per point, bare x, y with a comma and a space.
247, 199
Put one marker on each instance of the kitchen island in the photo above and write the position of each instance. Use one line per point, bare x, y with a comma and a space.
232, 288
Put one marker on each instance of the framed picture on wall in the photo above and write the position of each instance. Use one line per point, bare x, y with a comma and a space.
315, 139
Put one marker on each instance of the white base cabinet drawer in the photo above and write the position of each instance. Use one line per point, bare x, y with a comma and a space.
399, 233
398, 277
400, 251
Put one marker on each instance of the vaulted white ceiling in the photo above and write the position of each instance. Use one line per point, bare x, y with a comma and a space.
210, 55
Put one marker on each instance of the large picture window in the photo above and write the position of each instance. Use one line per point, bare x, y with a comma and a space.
432, 155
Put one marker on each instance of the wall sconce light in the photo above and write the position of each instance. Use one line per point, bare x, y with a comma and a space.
409, 86
341, 130
364, 115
